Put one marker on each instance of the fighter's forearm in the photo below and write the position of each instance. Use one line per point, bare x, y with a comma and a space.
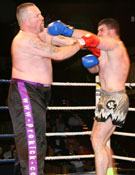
62, 41
65, 52
77, 33
94, 69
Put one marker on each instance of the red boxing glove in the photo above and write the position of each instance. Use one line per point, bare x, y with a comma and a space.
95, 51
89, 40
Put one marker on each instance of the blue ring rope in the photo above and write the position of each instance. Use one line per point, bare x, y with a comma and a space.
7, 160
3, 108
4, 81
7, 135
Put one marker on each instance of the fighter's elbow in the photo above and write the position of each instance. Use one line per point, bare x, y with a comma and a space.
93, 70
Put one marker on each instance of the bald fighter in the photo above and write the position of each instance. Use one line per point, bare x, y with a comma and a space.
33, 50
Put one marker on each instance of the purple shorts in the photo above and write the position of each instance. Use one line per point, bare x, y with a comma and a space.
27, 102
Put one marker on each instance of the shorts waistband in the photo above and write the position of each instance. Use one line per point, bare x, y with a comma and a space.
30, 82
112, 93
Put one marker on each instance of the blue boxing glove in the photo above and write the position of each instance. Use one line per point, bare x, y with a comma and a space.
59, 28
89, 61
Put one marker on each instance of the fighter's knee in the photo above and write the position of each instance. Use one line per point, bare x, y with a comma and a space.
97, 143
94, 142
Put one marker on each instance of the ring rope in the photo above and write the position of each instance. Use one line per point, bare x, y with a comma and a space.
4, 81
60, 83
124, 134
67, 108
73, 134
72, 84
74, 157
53, 134
70, 107
61, 107
132, 159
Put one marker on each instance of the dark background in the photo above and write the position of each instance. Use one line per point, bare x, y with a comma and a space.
83, 14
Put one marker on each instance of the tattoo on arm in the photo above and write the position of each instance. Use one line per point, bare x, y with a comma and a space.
61, 37
44, 47
36, 45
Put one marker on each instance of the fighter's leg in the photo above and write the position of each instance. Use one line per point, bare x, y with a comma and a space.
24, 130
109, 150
100, 133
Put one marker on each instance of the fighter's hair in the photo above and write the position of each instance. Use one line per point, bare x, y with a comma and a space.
20, 11
111, 24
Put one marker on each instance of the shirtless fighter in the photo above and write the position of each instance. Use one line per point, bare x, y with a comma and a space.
32, 53
112, 64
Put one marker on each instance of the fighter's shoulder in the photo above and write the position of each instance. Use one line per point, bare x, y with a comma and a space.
120, 46
21, 36
25, 40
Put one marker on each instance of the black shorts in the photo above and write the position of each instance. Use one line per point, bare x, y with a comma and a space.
27, 102
112, 105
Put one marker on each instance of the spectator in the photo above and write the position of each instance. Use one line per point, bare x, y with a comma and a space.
76, 165
1, 153
58, 145
60, 125
13, 154
70, 165
75, 122
8, 154
82, 150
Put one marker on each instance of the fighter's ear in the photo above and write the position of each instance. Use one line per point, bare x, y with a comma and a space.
112, 32
24, 21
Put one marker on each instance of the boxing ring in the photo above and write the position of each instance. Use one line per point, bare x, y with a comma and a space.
83, 133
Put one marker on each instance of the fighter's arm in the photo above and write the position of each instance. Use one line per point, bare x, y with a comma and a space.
94, 69
57, 28
58, 40
78, 33
87, 39
62, 41
91, 62
102, 43
45, 50
107, 43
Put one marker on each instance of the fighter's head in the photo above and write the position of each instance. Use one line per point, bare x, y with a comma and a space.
29, 17
108, 27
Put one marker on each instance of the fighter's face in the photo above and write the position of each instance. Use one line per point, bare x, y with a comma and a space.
103, 30
36, 19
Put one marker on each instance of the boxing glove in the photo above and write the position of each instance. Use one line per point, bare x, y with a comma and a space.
89, 61
95, 51
58, 28
89, 40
